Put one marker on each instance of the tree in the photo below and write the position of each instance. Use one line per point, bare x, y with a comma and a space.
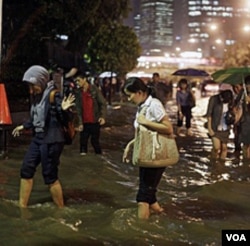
114, 49
28, 25
237, 55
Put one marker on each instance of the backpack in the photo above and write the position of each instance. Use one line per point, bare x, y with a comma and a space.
69, 129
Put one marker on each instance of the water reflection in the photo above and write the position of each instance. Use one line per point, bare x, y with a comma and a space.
200, 196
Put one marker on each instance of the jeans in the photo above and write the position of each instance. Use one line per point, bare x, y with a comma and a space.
92, 131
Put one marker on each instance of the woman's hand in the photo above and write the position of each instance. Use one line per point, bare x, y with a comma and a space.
181, 116
238, 111
126, 151
68, 102
16, 131
211, 133
141, 119
125, 155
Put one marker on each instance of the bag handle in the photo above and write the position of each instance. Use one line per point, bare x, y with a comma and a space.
52, 95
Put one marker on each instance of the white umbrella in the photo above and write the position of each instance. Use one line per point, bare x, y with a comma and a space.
107, 74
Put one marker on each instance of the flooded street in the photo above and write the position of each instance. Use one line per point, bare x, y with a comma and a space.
200, 197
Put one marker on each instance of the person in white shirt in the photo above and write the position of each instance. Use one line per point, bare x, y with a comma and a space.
157, 120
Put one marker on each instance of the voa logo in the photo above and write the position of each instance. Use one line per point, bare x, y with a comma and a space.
236, 237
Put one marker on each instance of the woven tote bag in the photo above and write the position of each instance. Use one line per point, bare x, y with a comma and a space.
152, 149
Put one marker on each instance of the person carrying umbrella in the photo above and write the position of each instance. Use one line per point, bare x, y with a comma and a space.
233, 76
242, 112
185, 101
238, 96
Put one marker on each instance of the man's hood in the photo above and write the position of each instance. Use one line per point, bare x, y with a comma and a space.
37, 75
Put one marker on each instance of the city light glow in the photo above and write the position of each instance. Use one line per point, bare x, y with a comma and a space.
246, 28
213, 27
218, 41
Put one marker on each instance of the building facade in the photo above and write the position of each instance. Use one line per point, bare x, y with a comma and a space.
214, 25
205, 26
156, 24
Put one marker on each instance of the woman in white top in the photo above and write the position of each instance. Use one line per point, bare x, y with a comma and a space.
157, 120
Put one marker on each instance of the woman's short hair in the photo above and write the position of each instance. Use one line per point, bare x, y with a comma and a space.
227, 96
182, 81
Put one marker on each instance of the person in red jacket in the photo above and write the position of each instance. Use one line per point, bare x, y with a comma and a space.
91, 108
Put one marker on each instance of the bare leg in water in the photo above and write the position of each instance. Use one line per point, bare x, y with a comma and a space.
156, 207
24, 193
57, 194
143, 210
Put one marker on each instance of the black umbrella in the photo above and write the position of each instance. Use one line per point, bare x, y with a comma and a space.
190, 72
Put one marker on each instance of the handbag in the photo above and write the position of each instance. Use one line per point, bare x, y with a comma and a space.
153, 149
69, 132
230, 117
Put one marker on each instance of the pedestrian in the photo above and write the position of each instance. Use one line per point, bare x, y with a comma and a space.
219, 106
97, 83
121, 94
91, 108
157, 120
238, 93
185, 99
161, 89
106, 88
46, 122
243, 117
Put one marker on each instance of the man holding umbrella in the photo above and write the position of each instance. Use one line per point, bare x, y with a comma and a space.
242, 112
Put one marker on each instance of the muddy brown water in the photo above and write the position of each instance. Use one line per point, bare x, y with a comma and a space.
200, 197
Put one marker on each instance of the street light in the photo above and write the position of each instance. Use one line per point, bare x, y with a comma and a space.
192, 40
246, 28
213, 27
218, 41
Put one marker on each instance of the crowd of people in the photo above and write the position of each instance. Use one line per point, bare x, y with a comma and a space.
229, 109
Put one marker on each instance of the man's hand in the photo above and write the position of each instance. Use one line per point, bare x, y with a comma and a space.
79, 128
101, 121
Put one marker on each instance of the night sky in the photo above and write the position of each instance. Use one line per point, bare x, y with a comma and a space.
135, 5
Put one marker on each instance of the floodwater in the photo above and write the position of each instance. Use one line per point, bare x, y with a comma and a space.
200, 197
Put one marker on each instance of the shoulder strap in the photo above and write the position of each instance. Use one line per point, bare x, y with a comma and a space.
143, 110
52, 95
